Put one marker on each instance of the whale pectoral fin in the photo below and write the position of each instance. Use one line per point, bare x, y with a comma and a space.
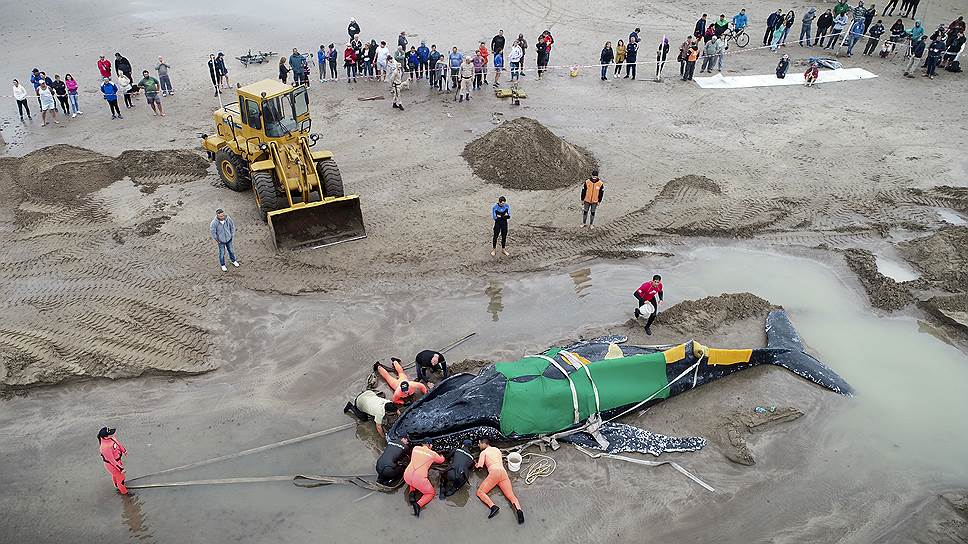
627, 438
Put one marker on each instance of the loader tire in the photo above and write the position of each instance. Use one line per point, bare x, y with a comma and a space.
266, 195
233, 170
330, 178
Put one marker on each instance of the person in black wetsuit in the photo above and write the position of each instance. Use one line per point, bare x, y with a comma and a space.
392, 462
456, 475
428, 361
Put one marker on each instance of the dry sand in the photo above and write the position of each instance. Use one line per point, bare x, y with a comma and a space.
107, 269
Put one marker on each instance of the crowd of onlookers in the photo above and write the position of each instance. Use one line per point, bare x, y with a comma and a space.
842, 25
444, 70
115, 81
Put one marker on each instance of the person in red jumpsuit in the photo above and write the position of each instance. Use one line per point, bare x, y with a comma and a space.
111, 452
402, 385
496, 477
421, 458
647, 293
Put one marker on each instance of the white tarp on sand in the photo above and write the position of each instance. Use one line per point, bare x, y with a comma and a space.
793, 77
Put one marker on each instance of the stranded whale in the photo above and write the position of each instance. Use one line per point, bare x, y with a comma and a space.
575, 392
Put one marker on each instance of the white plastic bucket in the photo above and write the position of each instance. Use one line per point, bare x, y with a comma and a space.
514, 461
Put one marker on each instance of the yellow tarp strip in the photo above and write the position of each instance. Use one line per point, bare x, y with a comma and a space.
675, 354
728, 356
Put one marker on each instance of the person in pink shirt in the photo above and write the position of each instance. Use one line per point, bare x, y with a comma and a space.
649, 292
111, 452
104, 66
402, 386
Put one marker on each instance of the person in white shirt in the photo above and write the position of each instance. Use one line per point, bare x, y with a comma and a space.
47, 105
382, 54
125, 85
20, 95
369, 404
515, 59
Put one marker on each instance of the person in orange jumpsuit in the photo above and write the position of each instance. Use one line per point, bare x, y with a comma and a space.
421, 458
111, 452
496, 476
402, 386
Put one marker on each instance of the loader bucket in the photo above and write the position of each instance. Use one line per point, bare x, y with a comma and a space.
318, 224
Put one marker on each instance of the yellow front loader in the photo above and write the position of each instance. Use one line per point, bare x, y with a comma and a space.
263, 142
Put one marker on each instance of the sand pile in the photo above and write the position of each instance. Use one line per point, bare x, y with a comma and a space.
60, 173
138, 163
524, 154
691, 317
63, 173
942, 257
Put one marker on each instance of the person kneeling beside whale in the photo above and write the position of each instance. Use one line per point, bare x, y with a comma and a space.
402, 385
369, 404
456, 475
496, 476
421, 458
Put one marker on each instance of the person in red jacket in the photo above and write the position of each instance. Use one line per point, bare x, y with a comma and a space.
402, 386
111, 452
484, 52
649, 292
104, 66
349, 62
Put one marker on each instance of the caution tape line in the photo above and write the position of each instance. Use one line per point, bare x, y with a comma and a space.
572, 67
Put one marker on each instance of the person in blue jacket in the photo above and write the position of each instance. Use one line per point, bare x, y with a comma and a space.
501, 212
321, 57
740, 20
332, 56
857, 31
298, 64
423, 55
110, 91
456, 59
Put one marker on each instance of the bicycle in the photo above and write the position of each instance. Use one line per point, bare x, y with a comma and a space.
740, 36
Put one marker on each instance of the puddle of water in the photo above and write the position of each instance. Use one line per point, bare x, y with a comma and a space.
950, 216
896, 270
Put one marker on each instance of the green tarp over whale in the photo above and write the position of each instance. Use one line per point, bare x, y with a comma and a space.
537, 404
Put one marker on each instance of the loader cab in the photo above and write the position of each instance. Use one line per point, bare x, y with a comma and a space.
274, 109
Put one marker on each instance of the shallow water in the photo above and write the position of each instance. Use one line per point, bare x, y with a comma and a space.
951, 216
896, 270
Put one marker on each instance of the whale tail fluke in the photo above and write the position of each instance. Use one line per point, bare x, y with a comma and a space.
787, 350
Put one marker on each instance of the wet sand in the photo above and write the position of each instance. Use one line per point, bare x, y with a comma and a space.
829, 475
123, 282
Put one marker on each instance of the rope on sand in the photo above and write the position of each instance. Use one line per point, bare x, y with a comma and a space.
539, 467
248, 452
300, 480
673, 464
